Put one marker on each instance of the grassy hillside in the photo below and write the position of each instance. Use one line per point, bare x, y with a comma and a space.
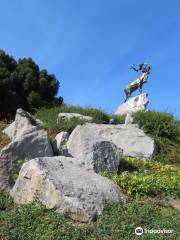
34, 222
153, 188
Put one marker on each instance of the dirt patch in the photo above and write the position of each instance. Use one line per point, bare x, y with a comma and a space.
175, 203
4, 139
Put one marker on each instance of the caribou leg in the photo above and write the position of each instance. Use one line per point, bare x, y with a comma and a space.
127, 93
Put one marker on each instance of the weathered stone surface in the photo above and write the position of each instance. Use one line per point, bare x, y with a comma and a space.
4, 173
132, 140
10, 130
24, 121
59, 143
28, 140
69, 116
92, 151
133, 104
60, 184
32, 144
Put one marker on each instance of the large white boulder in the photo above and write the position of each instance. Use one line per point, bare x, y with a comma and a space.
60, 184
69, 116
128, 137
92, 151
29, 139
133, 104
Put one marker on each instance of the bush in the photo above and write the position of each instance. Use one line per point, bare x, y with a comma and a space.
23, 85
119, 119
168, 150
147, 177
158, 124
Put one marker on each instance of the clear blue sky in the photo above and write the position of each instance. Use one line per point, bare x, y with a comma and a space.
90, 44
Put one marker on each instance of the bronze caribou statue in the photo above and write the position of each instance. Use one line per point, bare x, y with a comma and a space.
138, 82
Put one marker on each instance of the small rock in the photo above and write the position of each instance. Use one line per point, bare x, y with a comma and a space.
69, 116
59, 144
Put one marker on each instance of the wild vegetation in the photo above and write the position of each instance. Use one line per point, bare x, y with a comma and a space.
152, 187
50, 116
148, 177
158, 124
4, 139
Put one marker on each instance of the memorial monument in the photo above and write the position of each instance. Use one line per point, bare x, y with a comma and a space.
139, 102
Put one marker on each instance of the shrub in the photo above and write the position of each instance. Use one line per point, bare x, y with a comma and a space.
147, 177
158, 124
119, 119
168, 150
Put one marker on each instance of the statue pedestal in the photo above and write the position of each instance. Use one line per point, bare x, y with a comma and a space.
133, 104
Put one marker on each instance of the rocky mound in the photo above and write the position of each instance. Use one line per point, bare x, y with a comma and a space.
69, 182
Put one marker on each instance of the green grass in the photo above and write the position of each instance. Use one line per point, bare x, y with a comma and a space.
14, 173
49, 117
34, 222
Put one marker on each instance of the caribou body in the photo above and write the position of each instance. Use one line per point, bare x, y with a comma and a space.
138, 82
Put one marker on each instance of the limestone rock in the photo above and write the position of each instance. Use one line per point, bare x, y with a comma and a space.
28, 140
59, 143
133, 104
92, 151
22, 124
60, 184
10, 130
69, 116
132, 140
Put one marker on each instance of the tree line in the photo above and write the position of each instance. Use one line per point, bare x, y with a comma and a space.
24, 85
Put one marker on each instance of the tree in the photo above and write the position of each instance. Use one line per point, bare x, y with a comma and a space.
22, 84
7, 95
